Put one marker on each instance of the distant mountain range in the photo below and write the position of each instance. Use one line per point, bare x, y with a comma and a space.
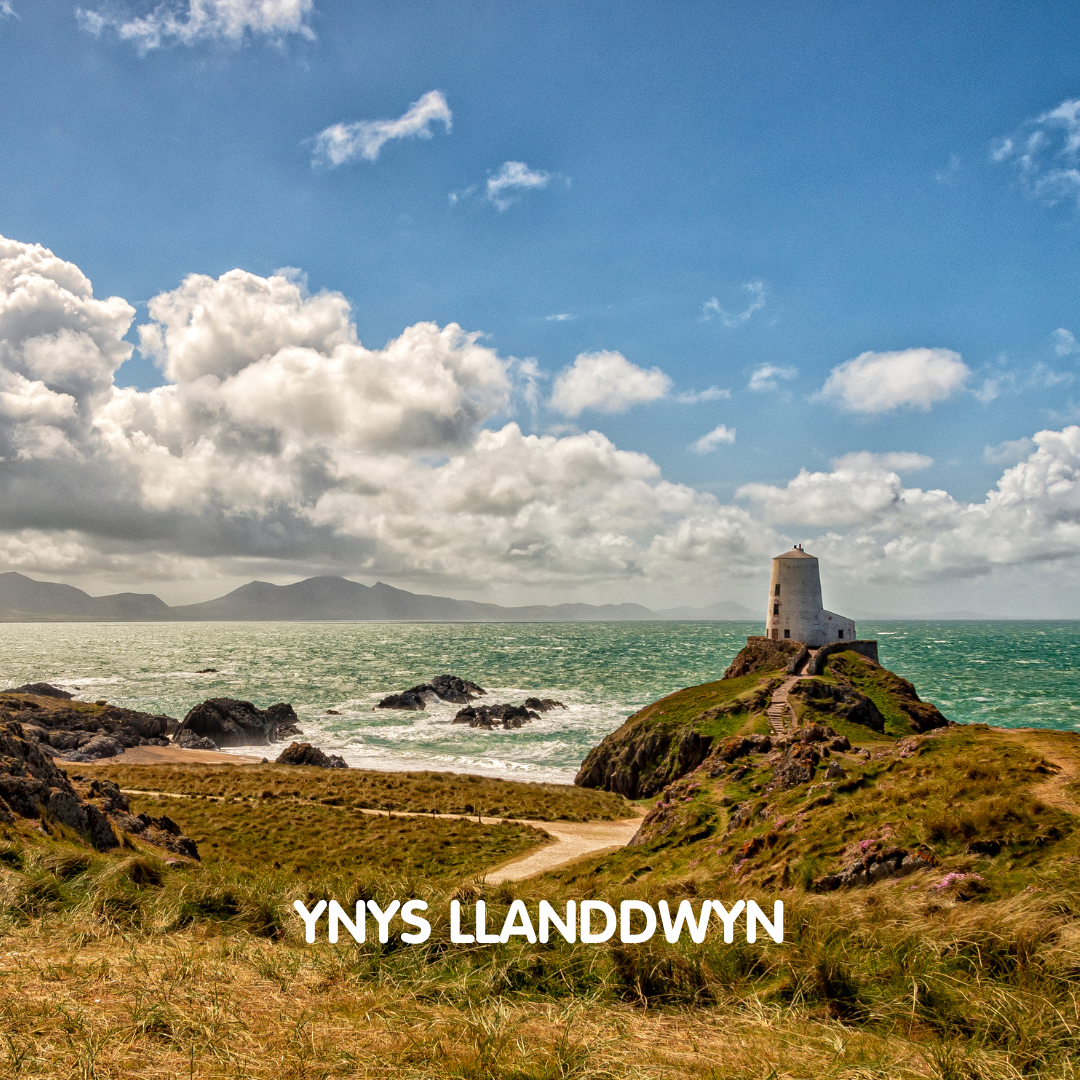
23, 599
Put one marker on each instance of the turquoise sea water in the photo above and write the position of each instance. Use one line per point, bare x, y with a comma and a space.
1007, 673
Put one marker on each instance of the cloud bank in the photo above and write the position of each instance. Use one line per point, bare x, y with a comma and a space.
281, 444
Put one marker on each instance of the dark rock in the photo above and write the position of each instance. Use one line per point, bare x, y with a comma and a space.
98, 747
414, 700
543, 704
442, 688
207, 671
306, 754
229, 722
186, 739
877, 866
835, 771
840, 742
492, 716
284, 716
456, 691
40, 689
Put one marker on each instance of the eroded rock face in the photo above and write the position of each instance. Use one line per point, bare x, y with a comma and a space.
876, 866
229, 722
843, 702
449, 688
763, 654
306, 754
643, 762
31, 786
80, 734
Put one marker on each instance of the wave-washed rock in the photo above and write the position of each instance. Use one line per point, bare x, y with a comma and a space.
306, 754
505, 716
32, 787
229, 722
448, 688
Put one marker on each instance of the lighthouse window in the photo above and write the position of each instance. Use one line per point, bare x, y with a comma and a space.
776, 592
787, 633
840, 633
776, 609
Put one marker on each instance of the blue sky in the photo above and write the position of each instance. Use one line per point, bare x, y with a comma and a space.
716, 189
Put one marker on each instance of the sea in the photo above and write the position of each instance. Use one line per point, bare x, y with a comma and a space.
1011, 674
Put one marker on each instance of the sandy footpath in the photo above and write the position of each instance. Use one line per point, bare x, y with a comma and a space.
573, 840
174, 755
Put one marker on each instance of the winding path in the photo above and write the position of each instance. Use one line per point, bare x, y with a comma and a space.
572, 840
781, 714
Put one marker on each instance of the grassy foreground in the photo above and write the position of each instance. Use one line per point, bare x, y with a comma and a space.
121, 965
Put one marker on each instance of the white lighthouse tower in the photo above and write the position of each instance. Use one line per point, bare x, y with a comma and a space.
795, 610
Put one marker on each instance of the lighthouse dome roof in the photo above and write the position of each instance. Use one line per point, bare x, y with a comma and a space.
796, 553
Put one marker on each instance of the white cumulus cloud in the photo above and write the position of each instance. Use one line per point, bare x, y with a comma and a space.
343, 142
280, 444
709, 442
204, 20
764, 378
607, 382
514, 177
879, 382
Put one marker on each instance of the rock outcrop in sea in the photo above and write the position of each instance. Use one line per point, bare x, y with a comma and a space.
449, 688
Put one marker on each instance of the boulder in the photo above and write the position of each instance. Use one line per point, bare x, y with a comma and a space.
186, 739
306, 754
492, 716
229, 722
449, 688
99, 746
414, 700
543, 704
456, 691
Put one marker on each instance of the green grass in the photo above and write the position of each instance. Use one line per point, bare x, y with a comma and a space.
307, 841
420, 792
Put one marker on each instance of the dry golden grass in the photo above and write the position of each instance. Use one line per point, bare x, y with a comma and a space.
421, 792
